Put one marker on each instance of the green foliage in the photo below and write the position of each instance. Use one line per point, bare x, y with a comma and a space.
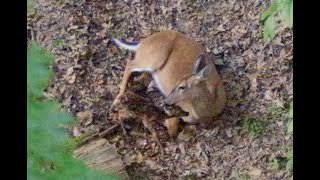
289, 165
281, 163
275, 111
57, 42
287, 13
275, 165
253, 127
29, 7
243, 176
38, 71
269, 28
189, 2
290, 116
46, 138
279, 10
77, 141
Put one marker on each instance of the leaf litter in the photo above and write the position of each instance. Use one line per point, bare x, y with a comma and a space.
88, 70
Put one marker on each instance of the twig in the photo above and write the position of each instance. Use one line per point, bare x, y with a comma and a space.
107, 131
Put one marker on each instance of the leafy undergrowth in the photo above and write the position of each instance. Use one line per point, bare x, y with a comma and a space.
279, 13
279, 163
47, 157
29, 7
256, 126
253, 127
290, 116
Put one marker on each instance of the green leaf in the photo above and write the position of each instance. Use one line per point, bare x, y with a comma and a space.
287, 13
290, 126
46, 157
268, 12
278, 10
57, 42
290, 114
289, 165
38, 70
269, 29
29, 7
275, 165
290, 154
243, 176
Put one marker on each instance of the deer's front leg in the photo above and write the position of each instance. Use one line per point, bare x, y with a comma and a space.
123, 86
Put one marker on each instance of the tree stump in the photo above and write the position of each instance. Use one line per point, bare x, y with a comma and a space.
101, 155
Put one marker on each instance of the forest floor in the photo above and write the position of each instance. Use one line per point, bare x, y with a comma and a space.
250, 137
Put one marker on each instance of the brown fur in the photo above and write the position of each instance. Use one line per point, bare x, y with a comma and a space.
177, 60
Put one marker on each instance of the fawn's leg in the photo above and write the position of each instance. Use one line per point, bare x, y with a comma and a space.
146, 122
172, 125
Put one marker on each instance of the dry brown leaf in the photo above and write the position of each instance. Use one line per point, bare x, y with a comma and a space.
255, 172
229, 132
67, 101
130, 158
268, 94
69, 71
72, 28
142, 142
76, 131
220, 28
199, 150
218, 61
242, 31
184, 136
85, 117
182, 148
277, 41
280, 103
253, 81
151, 164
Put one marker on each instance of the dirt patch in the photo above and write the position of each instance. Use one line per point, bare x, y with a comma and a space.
257, 77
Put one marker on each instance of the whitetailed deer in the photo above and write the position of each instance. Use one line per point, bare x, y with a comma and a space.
182, 71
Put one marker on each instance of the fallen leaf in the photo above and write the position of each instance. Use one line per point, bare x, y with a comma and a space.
198, 153
67, 101
277, 41
72, 28
182, 148
184, 136
85, 117
290, 126
229, 132
130, 158
218, 61
151, 164
220, 28
142, 142
69, 71
76, 131
255, 172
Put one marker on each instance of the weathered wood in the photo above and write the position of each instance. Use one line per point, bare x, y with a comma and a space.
101, 155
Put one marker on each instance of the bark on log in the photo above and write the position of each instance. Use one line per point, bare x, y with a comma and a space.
101, 155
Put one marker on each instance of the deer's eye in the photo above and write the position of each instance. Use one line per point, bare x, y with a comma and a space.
182, 88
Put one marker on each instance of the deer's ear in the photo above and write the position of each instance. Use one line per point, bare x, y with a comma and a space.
199, 65
203, 73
